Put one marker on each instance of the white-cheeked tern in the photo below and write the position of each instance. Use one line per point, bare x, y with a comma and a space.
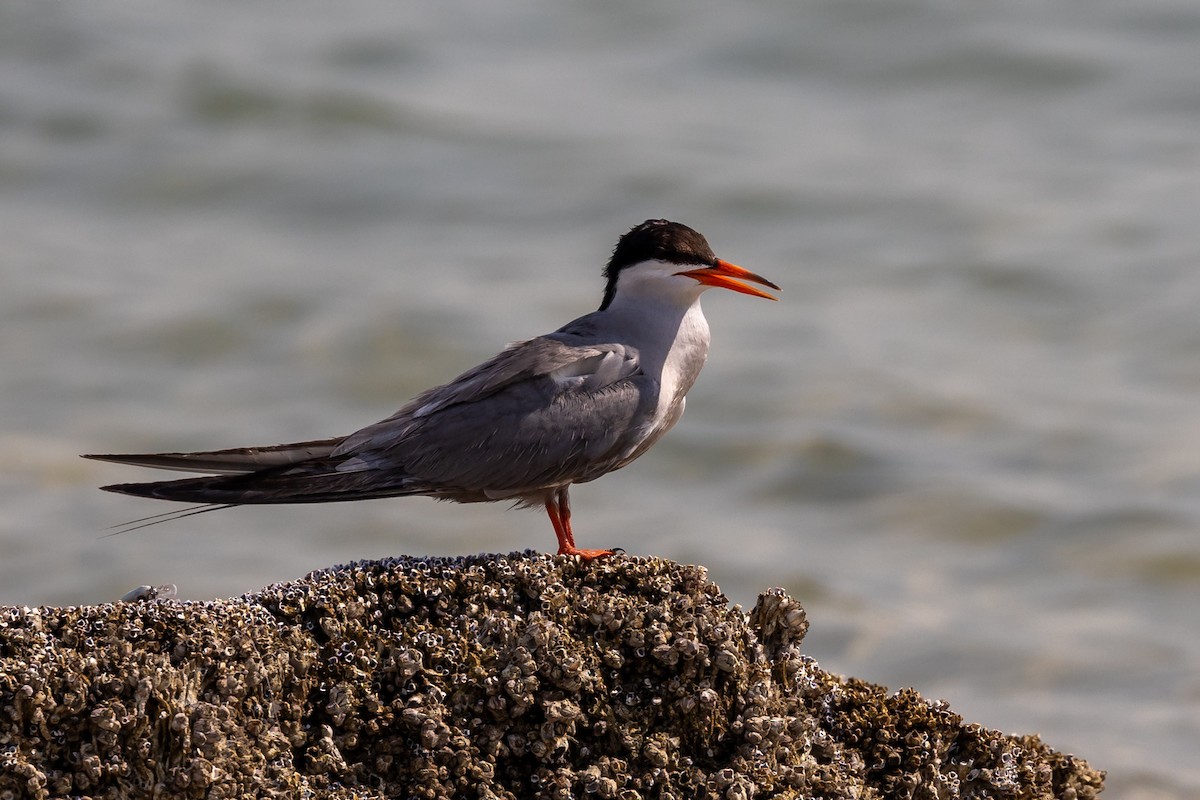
543, 414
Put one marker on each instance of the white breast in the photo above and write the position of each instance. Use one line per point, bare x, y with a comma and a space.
657, 311
681, 366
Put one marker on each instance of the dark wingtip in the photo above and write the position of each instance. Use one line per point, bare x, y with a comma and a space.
114, 458
134, 489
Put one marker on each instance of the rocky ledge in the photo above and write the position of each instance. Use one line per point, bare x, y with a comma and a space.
521, 676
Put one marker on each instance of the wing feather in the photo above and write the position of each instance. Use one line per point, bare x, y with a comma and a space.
224, 462
546, 357
545, 412
542, 412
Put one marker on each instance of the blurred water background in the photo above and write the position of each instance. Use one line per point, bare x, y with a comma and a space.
967, 438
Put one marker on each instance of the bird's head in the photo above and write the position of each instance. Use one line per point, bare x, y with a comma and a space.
669, 258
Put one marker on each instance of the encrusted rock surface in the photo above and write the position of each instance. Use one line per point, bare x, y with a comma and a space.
521, 676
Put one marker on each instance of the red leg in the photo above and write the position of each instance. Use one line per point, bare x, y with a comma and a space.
558, 507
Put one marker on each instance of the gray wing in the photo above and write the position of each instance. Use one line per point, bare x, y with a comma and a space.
541, 413
583, 366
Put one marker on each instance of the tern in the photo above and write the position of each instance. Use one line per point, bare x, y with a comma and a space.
543, 414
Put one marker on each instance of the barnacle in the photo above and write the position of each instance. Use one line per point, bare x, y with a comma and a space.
488, 676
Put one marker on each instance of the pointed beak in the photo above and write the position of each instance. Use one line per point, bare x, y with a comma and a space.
730, 276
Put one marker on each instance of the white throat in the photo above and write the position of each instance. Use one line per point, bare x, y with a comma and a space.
660, 314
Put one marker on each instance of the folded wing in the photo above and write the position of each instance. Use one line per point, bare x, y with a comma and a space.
539, 414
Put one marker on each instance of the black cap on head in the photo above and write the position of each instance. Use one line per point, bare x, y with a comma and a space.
655, 240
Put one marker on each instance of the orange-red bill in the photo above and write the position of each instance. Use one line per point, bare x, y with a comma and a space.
730, 276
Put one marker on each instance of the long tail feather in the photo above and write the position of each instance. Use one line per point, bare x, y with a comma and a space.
295, 473
316, 484
158, 519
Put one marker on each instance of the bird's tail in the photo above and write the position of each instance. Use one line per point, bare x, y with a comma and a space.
315, 482
304, 472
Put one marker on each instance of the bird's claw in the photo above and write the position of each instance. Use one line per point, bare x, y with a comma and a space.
588, 555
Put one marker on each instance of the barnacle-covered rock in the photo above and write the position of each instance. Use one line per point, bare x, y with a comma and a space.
522, 676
